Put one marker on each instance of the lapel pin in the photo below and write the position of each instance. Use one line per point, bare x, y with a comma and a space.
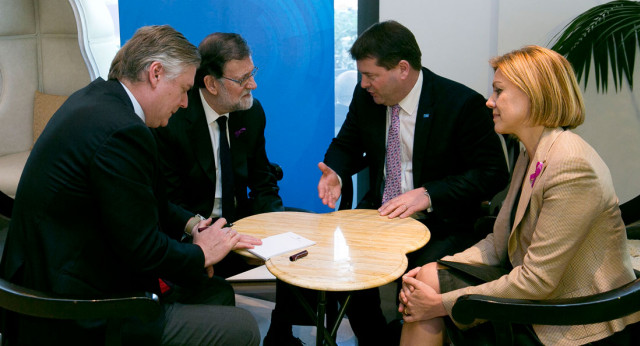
425, 116
532, 177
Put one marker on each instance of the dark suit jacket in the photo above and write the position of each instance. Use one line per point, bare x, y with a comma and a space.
189, 166
457, 155
90, 215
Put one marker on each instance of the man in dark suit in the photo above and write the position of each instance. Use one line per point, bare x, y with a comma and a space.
192, 154
192, 151
430, 148
190, 144
91, 218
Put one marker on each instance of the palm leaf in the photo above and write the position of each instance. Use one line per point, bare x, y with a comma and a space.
607, 33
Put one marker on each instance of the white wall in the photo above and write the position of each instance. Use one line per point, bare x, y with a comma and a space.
457, 38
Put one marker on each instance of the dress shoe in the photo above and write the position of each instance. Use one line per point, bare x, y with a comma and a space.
271, 339
279, 333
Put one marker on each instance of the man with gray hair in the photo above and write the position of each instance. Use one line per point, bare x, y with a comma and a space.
91, 218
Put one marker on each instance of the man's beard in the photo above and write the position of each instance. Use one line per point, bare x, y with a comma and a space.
244, 103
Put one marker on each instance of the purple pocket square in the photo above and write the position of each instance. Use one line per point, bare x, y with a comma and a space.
239, 132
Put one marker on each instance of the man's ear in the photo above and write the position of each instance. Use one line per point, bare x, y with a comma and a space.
211, 84
156, 71
404, 67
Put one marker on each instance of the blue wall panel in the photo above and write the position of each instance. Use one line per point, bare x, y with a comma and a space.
292, 44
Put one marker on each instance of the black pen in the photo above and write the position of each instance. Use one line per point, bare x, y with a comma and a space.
298, 256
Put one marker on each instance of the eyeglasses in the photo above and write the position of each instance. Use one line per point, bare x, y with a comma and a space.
244, 79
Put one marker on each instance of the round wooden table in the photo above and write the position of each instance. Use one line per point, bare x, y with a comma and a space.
355, 249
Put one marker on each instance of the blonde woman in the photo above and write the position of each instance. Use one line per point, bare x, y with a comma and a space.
559, 233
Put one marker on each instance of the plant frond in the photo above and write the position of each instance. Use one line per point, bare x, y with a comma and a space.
608, 34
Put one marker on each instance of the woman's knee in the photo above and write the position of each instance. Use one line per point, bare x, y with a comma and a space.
429, 275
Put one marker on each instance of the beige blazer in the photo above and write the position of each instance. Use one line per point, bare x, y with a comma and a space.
568, 239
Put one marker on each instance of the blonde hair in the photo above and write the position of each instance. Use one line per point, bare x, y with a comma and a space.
550, 83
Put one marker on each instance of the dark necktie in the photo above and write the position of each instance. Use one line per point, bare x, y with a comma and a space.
228, 204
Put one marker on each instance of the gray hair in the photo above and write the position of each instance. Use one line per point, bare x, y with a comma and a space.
159, 43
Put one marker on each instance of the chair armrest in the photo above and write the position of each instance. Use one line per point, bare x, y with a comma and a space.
145, 306
630, 211
599, 307
6, 205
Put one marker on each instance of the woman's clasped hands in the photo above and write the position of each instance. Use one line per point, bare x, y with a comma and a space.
418, 300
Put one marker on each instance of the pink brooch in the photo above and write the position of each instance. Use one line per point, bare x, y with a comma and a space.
535, 174
239, 132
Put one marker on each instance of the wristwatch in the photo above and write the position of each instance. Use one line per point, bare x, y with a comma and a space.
426, 193
192, 223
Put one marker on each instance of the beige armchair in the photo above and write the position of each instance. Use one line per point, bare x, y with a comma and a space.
48, 50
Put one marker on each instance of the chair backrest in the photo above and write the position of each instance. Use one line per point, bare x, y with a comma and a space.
38, 51
53, 47
348, 190
346, 198
630, 211
99, 42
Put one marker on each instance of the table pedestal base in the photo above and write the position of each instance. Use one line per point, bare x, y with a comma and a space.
333, 319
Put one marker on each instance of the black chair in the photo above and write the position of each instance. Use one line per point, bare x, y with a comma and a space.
279, 173
602, 307
512, 150
631, 215
21, 300
346, 197
6, 205
504, 312
276, 170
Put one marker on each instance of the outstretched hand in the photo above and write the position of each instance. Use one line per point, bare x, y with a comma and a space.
329, 188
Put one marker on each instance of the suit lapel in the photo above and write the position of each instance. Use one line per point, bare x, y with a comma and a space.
533, 177
423, 124
377, 120
516, 184
237, 126
198, 133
